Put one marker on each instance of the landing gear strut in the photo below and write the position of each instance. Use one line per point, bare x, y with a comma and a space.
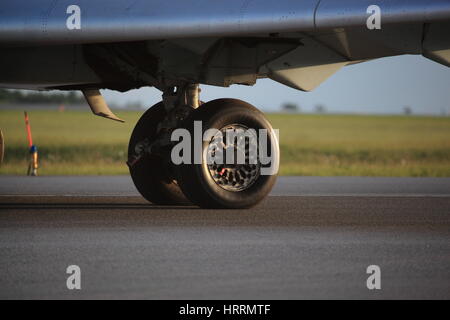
149, 146
149, 171
232, 172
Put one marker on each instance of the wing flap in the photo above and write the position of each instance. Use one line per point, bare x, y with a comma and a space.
307, 66
436, 43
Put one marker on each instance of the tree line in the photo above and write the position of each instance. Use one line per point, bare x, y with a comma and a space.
33, 97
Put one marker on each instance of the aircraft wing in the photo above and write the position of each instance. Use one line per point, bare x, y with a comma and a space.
24, 22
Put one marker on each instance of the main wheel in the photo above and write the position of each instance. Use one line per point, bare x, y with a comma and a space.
220, 180
150, 173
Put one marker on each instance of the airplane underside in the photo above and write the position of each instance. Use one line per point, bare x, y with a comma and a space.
301, 60
300, 48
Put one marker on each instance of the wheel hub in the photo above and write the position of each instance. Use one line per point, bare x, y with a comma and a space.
241, 148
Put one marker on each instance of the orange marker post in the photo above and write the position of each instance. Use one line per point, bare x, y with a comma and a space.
33, 165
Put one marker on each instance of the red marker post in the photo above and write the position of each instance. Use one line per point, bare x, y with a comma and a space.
33, 166
2, 147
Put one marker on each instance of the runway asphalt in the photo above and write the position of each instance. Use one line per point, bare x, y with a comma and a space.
312, 238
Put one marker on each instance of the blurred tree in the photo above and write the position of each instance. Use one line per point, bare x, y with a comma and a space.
290, 107
320, 108
407, 110
135, 105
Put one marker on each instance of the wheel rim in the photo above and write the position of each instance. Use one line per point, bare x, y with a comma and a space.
244, 170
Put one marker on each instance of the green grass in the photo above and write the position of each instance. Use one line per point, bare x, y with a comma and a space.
76, 142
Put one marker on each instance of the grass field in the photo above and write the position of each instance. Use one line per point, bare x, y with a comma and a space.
76, 142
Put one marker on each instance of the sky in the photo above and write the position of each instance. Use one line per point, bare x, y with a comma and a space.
382, 86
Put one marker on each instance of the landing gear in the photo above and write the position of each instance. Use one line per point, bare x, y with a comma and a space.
149, 171
233, 165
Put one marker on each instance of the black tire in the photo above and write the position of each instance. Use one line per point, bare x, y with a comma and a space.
149, 174
195, 180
